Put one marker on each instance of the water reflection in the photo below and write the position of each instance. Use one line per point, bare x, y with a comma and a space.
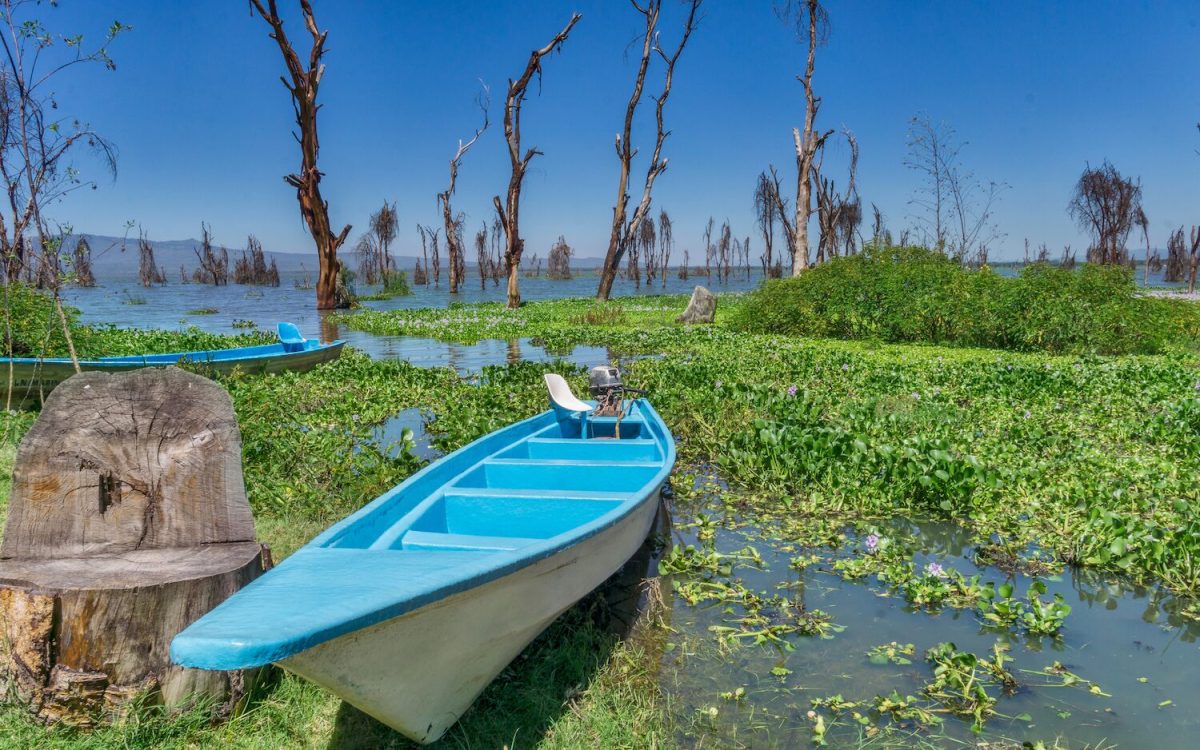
388, 437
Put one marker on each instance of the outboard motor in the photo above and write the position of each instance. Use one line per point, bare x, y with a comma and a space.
604, 384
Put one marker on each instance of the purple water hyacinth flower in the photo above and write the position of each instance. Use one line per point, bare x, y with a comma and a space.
792, 390
845, 368
872, 543
718, 384
935, 570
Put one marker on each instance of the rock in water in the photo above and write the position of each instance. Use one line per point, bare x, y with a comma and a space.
702, 308
128, 521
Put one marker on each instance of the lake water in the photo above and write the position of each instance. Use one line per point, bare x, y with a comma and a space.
1128, 640
127, 304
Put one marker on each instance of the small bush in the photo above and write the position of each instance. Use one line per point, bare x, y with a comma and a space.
602, 315
395, 284
33, 328
918, 295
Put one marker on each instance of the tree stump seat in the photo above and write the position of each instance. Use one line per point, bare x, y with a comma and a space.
128, 521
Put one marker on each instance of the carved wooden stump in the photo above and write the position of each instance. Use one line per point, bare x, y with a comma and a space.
128, 521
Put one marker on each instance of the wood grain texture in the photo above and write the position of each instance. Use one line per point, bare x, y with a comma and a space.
128, 521
123, 462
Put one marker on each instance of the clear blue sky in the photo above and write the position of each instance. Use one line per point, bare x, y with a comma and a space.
1038, 89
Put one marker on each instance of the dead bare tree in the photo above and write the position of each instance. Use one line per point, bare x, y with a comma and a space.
534, 269
510, 211
812, 21
684, 269
838, 214
931, 148
625, 232
632, 272
782, 213
1194, 260
709, 250
666, 243
303, 87
252, 267
454, 223
496, 265
82, 263
559, 266
1068, 258
1177, 257
481, 254
429, 238
724, 248
214, 266
1152, 259
766, 212
881, 236
1106, 205
957, 209
648, 239
149, 272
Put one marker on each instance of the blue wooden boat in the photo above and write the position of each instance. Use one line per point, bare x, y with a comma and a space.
34, 378
408, 608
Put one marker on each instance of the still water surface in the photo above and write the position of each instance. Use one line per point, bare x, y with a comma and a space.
1123, 637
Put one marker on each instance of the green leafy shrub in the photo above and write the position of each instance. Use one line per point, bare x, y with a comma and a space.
33, 327
395, 284
918, 295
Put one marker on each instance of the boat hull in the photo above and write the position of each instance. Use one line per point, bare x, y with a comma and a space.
420, 671
32, 380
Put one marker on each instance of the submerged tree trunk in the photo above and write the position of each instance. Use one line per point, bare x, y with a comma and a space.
807, 143
509, 211
303, 88
623, 233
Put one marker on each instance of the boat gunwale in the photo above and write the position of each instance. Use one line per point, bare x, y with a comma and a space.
198, 356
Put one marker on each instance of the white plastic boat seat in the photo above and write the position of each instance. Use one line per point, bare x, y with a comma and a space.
289, 336
566, 404
430, 540
638, 449
562, 396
